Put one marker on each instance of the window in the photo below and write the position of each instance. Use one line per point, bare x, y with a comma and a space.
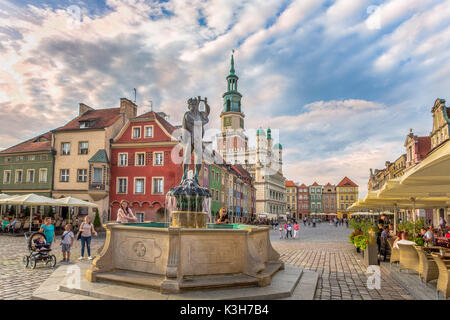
123, 159
83, 147
64, 175
98, 172
7, 176
43, 175
351, 197
19, 158
19, 176
136, 132
44, 157
8, 159
139, 185
140, 159
158, 159
158, 185
148, 131
346, 197
140, 216
122, 185
65, 148
30, 175
31, 158
81, 175
227, 122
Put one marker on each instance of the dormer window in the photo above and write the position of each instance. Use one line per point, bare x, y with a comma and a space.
86, 123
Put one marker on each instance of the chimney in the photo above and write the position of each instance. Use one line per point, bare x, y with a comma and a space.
83, 109
128, 108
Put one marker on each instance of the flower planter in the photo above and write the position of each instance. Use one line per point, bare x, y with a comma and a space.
371, 254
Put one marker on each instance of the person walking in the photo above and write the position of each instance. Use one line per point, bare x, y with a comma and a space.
49, 230
304, 221
314, 222
281, 231
86, 229
67, 243
288, 230
296, 229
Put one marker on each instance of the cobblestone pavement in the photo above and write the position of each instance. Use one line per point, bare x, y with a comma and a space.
342, 272
324, 249
18, 283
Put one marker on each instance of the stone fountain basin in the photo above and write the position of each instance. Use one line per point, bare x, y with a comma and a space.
174, 259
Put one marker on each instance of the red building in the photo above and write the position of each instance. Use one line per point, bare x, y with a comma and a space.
142, 169
303, 200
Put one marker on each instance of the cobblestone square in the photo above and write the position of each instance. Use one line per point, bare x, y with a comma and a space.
325, 249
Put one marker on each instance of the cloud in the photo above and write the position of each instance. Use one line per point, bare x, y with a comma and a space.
336, 89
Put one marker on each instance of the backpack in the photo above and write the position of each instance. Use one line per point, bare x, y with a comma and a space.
289, 228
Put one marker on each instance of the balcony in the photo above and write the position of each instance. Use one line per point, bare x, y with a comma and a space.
98, 191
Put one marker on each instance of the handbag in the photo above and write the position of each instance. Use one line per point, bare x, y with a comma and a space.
79, 232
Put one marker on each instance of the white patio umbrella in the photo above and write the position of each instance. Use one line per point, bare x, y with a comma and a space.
74, 202
30, 200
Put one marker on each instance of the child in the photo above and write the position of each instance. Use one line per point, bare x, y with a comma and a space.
40, 244
66, 243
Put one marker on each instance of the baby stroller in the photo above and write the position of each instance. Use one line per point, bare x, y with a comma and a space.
38, 251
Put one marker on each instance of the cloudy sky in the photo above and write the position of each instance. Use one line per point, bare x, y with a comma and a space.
342, 80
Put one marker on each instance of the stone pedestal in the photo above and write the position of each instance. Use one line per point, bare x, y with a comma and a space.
189, 219
176, 259
371, 254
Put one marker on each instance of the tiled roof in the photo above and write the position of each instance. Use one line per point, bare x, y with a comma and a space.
303, 186
99, 156
346, 182
315, 184
167, 126
290, 183
328, 185
39, 143
101, 118
241, 171
424, 146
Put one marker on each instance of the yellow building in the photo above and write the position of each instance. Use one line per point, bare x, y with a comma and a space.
82, 146
347, 193
291, 199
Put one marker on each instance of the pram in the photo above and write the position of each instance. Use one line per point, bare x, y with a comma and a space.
37, 251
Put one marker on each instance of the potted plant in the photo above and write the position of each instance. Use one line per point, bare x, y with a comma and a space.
97, 221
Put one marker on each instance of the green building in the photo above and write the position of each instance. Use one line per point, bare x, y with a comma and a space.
315, 198
28, 167
215, 181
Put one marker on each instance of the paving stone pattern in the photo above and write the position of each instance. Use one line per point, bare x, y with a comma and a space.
325, 249
342, 272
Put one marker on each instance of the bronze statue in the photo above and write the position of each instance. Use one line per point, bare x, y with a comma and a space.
193, 125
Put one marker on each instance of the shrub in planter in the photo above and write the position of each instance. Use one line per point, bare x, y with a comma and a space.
97, 221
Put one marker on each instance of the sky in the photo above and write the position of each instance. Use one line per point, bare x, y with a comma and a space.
342, 81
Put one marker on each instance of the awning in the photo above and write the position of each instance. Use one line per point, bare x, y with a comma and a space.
74, 202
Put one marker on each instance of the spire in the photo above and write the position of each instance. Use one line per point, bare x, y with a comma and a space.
232, 63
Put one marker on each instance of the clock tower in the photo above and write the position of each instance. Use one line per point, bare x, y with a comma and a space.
232, 142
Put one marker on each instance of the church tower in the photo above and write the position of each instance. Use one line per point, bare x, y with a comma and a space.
232, 142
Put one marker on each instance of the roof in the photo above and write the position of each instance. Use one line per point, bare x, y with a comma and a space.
290, 183
278, 146
303, 186
167, 126
241, 171
315, 184
346, 182
101, 118
424, 146
42, 142
99, 156
328, 185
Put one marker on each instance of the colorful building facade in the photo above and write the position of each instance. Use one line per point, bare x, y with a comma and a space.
347, 193
303, 200
28, 167
315, 198
142, 169
83, 153
329, 198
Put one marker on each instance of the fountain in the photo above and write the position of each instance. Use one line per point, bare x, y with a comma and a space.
187, 253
